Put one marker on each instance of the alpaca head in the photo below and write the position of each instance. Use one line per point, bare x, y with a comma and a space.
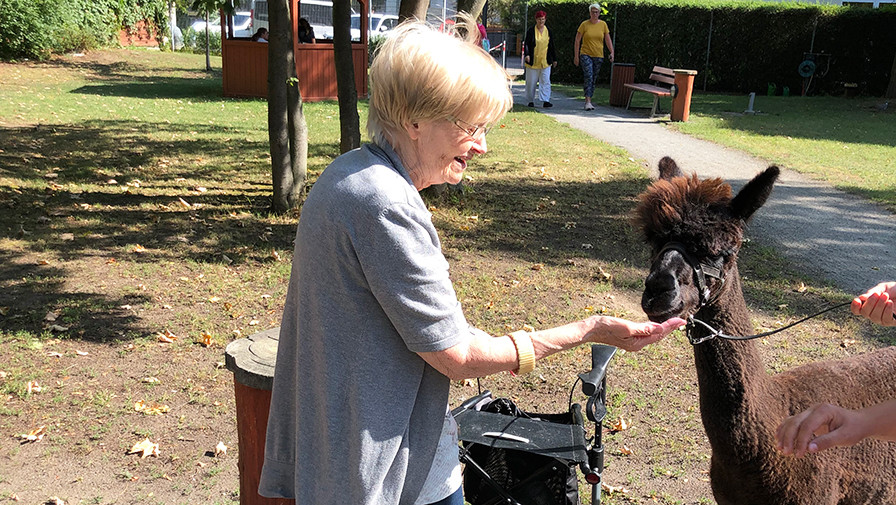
693, 225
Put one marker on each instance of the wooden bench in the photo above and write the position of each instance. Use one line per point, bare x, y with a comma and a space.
662, 78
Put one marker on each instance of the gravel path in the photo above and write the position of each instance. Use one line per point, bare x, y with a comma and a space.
828, 234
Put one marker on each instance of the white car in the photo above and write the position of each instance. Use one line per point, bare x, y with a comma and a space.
242, 24
379, 24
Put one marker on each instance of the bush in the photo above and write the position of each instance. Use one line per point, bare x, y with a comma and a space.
752, 44
194, 41
37, 28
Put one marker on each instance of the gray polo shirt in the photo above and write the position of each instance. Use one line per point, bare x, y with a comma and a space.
356, 414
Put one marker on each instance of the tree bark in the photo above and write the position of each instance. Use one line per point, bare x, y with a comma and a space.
287, 130
412, 9
891, 89
349, 121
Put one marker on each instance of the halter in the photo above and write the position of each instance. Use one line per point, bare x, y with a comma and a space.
703, 270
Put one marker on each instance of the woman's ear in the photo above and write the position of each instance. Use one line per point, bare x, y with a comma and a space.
413, 130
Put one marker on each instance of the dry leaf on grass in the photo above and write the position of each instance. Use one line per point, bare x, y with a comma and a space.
205, 339
34, 387
150, 380
54, 500
150, 409
220, 449
626, 451
167, 337
138, 249
145, 448
35, 435
620, 425
613, 489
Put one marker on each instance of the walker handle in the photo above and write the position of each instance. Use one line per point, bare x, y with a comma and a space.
600, 360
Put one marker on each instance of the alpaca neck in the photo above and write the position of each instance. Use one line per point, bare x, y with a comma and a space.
731, 374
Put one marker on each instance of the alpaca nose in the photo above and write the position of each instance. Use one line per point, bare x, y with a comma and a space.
661, 295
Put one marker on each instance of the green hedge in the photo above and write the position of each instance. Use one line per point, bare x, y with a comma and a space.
37, 28
749, 45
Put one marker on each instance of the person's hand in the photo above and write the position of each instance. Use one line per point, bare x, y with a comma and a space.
877, 304
612, 57
527, 59
554, 65
575, 60
629, 335
821, 427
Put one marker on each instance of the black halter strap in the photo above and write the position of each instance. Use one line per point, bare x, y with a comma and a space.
701, 270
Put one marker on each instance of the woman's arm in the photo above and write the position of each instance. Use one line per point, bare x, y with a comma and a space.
609, 43
575, 48
483, 354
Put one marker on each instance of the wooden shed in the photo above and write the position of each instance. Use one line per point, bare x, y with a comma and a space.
245, 63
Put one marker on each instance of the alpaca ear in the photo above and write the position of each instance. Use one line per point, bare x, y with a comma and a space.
754, 194
669, 169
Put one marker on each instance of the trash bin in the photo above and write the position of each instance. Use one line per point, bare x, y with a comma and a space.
681, 96
252, 361
621, 74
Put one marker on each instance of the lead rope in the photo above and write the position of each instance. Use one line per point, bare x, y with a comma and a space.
713, 333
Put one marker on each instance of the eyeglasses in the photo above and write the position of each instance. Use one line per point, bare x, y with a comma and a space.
470, 129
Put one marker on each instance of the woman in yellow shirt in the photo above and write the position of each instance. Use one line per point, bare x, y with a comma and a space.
540, 58
591, 37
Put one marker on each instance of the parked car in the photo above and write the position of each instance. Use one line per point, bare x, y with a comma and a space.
379, 23
242, 24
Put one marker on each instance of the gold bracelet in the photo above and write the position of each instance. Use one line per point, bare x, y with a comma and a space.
525, 351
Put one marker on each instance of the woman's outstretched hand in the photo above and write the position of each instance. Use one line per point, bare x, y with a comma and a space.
630, 335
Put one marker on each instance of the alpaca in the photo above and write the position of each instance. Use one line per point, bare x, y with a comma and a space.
741, 405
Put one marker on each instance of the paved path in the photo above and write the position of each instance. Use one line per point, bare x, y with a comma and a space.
828, 234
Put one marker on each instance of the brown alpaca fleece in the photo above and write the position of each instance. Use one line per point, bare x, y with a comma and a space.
741, 404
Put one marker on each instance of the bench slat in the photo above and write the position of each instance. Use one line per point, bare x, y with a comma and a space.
649, 88
662, 78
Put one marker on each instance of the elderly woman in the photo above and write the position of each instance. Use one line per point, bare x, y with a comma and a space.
372, 330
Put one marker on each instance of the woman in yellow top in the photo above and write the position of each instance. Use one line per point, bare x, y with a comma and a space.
591, 37
539, 57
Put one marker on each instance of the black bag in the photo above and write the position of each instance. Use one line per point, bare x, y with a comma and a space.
532, 479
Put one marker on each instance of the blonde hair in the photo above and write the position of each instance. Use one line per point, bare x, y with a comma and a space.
421, 73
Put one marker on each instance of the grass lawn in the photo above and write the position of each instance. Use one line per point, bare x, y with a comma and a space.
136, 243
846, 142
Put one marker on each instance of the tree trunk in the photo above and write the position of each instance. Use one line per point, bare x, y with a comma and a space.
349, 121
891, 89
172, 22
208, 56
287, 131
412, 9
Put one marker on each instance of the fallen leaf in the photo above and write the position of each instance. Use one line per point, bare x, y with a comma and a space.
4, 311
603, 275
220, 449
35, 435
275, 255
167, 337
151, 380
214, 299
151, 409
253, 322
56, 327
537, 266
625, 450
54, 500
205, 339
34, 387
847, 342
802, 288
54, 354
620, 425
613, 489
138, 249
81, 353
184, 204
145, 448
220, 364
51, 316
469, 382
43, 262
226, 259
